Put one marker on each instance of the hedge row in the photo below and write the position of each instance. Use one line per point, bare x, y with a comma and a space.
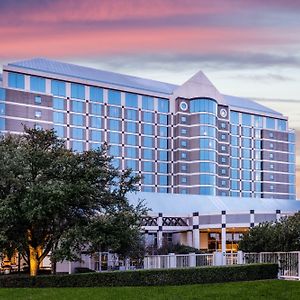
147, 277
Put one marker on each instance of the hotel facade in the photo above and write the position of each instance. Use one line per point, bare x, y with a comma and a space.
213, 165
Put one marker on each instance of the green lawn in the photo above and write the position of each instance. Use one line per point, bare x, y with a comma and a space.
267, 289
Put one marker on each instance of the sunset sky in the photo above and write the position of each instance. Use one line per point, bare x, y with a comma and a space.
246, 48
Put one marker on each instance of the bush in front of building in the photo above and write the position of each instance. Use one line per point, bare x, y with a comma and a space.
148, 277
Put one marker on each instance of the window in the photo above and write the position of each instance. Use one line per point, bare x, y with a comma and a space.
163, 155
114, 97
246, 119
183, 191
163, 143
58, 103
234, 117
270, 123
77, 91
2, 94
183, 155
246, 153
258, 122
59, 130
207, 155
183, 180
148, 142
77, 120
235, 185
224, 160
77, 133
114, 150
207, 191
131, 152
183, 131
58, 117
114, 137
203, 105
163, 105
282, 125
207, 179
207, 143
96, 94
207, 167
131, 164
148, 154
246, 131
114, 125
246, 175
38, 100
234, 163
223, 171
183, 168
131, 127
234, 129
271, 166
95, 109
208, 131
223, 125
114, 112
58, 88
95, 135
246, 186
131, 100
183, 119
38, 114
246, 164
223, 137
223, 148
234, 152
16, 80
271, 155
235, 174
271, 135
148, 129
207, 119
37, 84
163, 119
271, 145
223, 183
246, 143
148, 179
163, 131
77, 106
131, 114
77, 146
2, 124
183, 143
163, 168
147, 103
131, 139
234, 141
148, 166
271, 177
148, 117
95, 122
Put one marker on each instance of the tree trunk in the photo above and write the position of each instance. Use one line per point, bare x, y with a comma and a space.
33, 260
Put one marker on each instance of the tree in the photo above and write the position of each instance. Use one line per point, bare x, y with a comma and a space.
52, 199
283, 235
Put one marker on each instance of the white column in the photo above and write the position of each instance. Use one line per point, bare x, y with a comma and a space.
172, 260
240, 257
196, 234
252, 218
278, 215
192, 259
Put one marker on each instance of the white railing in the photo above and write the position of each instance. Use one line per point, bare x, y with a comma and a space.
288, 262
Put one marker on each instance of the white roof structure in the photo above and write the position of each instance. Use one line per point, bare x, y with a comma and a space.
187, 204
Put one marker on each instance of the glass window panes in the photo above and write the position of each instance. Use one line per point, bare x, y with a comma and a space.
95, 135
114, 125
162, 131
148, 154
147, 103
38, 100
131, 139
163, 105
162, 180
246, 119
207, 167
270, 123
114, 137
131, 152
163, 168
131, 164
163, 155
58, 117
131, 127
207, 119
59, 130
131, 114
163, 143
77, 91
37, 84
114, 97
203, 105
16, 80
77, 146
208, 155
96, 94
148, 117
234, 117
77, 133
2, 94
163, 119
77, 106
58, 88
206, 179
282, 125
95, 122
114, 112
77, 120
258, 121
148, 129
95, 109
58, 103
148, 166
207, 143
131, 100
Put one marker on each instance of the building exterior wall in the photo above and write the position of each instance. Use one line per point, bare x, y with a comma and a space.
182, 145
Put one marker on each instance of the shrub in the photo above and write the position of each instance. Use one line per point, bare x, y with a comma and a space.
148, 277
83, 270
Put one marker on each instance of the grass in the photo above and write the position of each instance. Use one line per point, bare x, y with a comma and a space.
265, 289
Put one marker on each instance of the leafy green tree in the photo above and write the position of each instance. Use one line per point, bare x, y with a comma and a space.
283, 235
55, 200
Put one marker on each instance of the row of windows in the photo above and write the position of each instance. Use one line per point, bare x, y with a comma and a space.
58, 88
257, 121
203, 105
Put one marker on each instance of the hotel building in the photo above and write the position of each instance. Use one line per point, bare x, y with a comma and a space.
196, 148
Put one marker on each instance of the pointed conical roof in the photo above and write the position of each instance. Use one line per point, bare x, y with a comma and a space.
198, 86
